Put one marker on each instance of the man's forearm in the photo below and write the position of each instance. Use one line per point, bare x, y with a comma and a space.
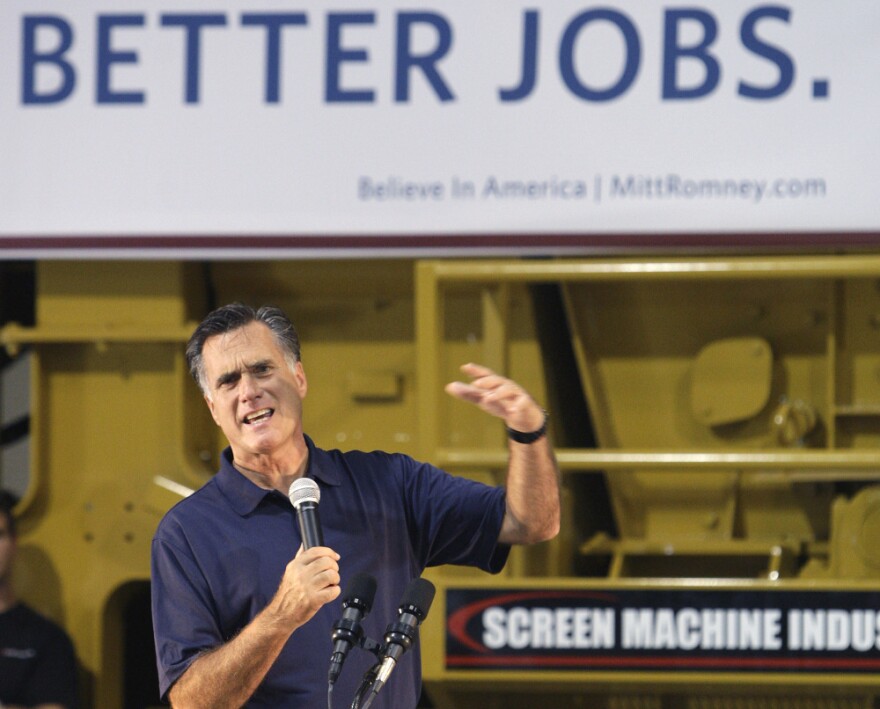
533, 507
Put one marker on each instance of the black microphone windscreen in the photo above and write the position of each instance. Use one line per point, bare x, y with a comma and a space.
362, 588
419, 595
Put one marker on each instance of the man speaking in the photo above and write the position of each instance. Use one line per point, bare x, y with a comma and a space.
242, 609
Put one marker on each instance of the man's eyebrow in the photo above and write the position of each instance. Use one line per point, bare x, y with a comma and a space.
228, 378
234, 375
259, 364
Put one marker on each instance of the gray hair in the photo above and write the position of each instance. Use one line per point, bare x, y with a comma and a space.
232, 317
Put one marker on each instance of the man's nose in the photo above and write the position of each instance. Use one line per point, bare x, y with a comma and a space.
249, 388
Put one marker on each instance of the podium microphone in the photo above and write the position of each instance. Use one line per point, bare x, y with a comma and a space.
400, 636
347, 631
304, 495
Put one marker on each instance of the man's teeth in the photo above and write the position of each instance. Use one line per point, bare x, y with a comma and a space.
258, 415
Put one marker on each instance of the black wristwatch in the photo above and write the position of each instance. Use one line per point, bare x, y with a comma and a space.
528, 437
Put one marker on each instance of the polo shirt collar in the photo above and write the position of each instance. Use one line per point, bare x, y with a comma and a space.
244, 496
321, 466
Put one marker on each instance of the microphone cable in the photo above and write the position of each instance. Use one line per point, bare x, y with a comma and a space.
368, 685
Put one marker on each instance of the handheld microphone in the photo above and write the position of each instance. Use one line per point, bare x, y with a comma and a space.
304, 495
347, 631
399, 636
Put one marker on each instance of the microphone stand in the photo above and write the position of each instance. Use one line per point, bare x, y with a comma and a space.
370, 645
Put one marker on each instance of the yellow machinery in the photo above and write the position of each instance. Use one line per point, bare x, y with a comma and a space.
716, 419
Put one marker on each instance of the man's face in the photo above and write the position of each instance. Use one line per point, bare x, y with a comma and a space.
7, 549
254, 396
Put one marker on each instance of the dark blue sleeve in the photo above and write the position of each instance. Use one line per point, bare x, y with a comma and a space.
451, 519
183, 623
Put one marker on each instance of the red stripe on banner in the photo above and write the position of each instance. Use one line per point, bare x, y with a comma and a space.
423, 241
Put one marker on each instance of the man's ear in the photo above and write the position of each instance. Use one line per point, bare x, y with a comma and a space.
210, 403
302, 382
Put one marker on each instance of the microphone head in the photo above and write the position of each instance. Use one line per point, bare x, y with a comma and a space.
361, 591
417, 598
304, 490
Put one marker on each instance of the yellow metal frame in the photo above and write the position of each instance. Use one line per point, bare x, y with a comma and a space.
434, 277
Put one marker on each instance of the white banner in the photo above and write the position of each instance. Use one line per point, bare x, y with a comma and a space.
288, 127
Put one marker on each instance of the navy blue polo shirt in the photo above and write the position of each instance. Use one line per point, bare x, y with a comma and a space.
219, 555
